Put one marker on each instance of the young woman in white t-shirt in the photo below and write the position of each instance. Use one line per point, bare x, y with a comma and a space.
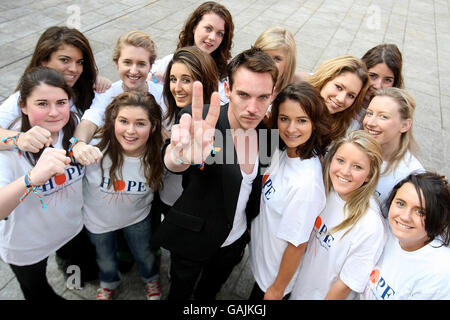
40, 193
415, 264
389, 119
118, 191
133, 55
293, 193
69, 52
349, 234
210, 28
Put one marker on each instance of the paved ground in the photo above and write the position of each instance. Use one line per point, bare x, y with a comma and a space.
322, 29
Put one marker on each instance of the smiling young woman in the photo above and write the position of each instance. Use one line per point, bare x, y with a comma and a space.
419, 220
293, 191
210, 28
133, 54
131, 142
389, 119
69, 52
188, 64
343, 82
334, 267
384, 64
44, 100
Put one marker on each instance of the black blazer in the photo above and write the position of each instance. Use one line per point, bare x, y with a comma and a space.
202, 217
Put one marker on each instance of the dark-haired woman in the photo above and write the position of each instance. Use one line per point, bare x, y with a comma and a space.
415, 264
293, 193
210, 28
69, 52
40, 193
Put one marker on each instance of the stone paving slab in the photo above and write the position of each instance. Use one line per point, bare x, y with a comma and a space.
322, 29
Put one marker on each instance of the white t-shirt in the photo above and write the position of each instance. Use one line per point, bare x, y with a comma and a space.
354, 125
386, 183
292, 197
172, 189
10, 110
96, 112
31, 233
159, 68
423, 274
240, 219
331, 257
126, 203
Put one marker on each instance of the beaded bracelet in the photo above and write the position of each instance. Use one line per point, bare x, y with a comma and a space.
14, 140
31, 188
73, 142
202, 165
155, 78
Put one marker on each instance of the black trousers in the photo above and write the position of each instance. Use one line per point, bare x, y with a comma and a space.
159, 208
33, 281
79, 251
213, 273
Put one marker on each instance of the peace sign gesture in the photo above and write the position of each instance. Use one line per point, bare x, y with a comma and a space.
192, 139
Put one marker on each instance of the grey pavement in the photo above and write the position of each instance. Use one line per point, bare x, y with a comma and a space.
322, 29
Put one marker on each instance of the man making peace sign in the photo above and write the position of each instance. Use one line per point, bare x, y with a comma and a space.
206, 229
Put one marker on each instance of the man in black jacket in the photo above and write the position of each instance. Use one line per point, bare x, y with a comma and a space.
206, 229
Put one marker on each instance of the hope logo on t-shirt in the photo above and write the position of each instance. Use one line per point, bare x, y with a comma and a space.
379, 286
122, 188
268, 189
61, 185
323, 237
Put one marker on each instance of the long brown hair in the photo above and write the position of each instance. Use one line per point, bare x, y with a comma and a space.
312, 103
223, 53
151, 161
389, 54
201, 67
331, 69
28, 82
50, 41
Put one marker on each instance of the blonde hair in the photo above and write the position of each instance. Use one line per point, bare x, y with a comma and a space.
332, 68
406, 106
359, 200
137, 39
275, 38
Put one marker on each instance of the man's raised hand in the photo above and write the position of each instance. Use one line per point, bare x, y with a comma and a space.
192, 139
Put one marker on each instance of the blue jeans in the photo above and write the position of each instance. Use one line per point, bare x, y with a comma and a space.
138, 239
